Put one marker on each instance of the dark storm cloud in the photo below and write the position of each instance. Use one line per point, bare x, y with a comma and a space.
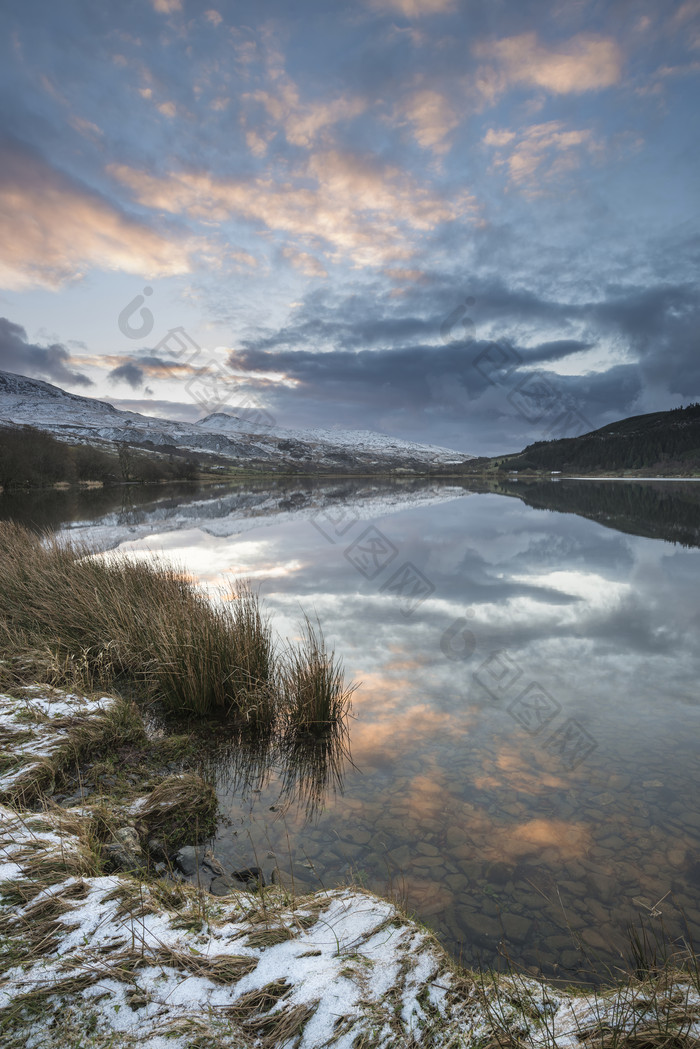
661, 325
156, 363
43, 362
368, 343
407, 372
445, 394
371, 317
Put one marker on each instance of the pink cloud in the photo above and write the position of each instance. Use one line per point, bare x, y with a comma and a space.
55, 229
584, 63
361, 209
412, 8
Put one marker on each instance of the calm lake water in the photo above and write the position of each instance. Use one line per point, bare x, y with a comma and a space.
525, 767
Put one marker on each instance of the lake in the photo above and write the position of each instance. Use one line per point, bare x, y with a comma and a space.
523, 771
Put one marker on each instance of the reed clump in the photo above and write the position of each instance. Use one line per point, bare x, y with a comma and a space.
72, 618
316, 698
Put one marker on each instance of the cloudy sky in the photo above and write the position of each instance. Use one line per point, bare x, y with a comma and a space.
470, 224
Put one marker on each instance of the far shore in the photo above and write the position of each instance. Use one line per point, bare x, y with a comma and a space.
262, 475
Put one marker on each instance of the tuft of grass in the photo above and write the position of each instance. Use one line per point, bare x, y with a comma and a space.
100, 622
258, 1001
216, 658
270, 937
78, 737
316, 698
181, 808
279, 1027
71, 619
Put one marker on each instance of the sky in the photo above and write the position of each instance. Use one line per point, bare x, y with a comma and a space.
473, 225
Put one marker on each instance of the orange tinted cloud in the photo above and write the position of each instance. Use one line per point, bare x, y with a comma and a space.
412, 8
362, 209
431, 117
167, 7
541, 153
308, 264
303, 122
584, 63
54, 229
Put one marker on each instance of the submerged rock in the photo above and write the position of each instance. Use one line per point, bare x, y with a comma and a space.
252, 876
199, 865
223, 886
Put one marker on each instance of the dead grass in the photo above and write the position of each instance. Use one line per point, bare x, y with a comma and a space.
261, 1000
270, 936
277, 1028
101, 621
77, 738
316, 698
180, 809
72, 619
221, 968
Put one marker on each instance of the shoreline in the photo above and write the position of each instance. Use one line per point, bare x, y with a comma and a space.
99, 950
250, 475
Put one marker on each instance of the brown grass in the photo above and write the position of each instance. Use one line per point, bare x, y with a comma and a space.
70, 618
316, 698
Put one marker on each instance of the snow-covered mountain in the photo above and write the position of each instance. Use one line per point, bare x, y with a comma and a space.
223, 437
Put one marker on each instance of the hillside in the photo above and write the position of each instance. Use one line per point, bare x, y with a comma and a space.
662, 443
219, 440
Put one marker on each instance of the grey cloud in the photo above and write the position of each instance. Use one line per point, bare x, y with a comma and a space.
161, 409
129, 373
384, 363
134, 371
26, 358
157, 363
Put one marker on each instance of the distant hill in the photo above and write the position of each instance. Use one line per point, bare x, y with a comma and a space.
220, 441
665, 443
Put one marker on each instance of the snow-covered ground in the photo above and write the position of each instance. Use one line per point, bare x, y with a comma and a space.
37, 730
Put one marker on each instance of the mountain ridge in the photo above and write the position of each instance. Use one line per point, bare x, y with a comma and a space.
221, 436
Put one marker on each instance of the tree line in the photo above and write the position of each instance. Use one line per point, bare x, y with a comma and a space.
30, 458
665, 440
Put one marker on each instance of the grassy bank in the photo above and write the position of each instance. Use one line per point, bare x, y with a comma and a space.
68, 617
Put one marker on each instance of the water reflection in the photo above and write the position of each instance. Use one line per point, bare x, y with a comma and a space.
313, 770
456, 800
667, 510
301, 771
